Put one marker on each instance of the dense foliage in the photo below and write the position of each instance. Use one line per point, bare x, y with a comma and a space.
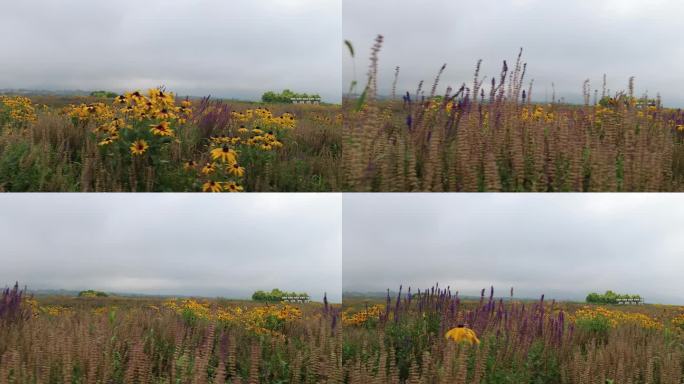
276, 295
285, 96
610, 297
92, 293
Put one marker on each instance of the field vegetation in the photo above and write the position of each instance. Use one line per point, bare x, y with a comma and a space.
114, 339
155, 141
433, 336
494, 136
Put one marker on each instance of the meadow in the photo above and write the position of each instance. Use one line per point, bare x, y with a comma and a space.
493, 137
433, 336
59, 339
155, 141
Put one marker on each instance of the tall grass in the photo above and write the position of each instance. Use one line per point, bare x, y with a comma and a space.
54, 154
124, 340
492, 137
521, 342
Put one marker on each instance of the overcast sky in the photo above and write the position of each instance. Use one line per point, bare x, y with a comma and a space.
565, 42
176, 244
237, 48
561, 245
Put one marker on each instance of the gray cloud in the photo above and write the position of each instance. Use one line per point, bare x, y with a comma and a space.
562, 245
565, 42
180, 244
237, 48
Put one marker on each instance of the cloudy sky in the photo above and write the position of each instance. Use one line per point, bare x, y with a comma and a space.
562, 245
176, 244
565, 42
237, 48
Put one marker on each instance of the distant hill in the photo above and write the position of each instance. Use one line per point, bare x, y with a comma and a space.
42, 92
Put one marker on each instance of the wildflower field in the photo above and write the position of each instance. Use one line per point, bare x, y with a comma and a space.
491, 136
155, 141
433, 336
54, 339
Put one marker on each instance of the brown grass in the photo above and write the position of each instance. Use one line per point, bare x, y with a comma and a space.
140, 341
478, 139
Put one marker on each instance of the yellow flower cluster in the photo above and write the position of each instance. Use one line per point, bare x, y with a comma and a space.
538, 113
201, 310
259, 129
678, 321
96, 112
32, 305
326, 119
55, 310
265, 118
616, 318
154, 115
363, 317
224, 160
19, 110
259, 320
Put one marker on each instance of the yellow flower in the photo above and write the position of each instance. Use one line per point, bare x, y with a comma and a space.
212, 186
233, 187
190, 164
209, 168
461, 334
161, 129
165, 113
235, 169
224, 154
139, 147
106, 141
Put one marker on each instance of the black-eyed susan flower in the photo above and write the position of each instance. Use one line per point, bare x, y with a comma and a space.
165, 113
220, 139
190, 164
236, 170
232, 186
105, 141
212, 186
209, 168
461, 334
224, 154
139, 147
161, 129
